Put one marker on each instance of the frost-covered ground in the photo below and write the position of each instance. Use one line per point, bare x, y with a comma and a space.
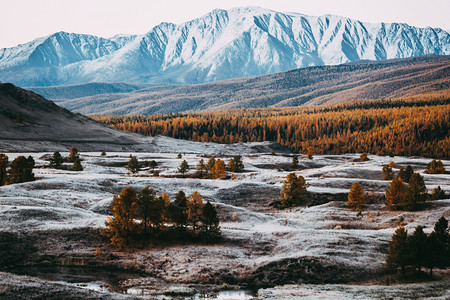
60, 212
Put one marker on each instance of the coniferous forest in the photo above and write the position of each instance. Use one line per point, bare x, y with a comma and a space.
417, 125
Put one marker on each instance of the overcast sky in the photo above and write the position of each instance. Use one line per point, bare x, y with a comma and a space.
24, 20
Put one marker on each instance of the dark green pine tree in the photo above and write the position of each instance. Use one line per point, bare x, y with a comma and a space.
398, 252
178, 210
133, 165
408, 173
144, 207
418, 248
438, 248
238, 163
210, 222
56, 160
77, 165
184, 167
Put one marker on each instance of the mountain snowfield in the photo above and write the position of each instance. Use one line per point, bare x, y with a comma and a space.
223, 44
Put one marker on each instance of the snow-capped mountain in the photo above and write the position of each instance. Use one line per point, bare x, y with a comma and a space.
223, 44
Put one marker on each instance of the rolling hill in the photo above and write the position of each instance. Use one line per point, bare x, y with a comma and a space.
307, 86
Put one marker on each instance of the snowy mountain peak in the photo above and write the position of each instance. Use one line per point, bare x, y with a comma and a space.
239, 42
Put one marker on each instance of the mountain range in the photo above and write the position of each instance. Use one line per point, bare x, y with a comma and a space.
223, 44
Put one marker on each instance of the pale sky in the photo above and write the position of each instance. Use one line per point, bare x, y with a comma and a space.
24, 20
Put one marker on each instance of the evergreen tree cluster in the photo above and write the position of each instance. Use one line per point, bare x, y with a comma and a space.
142, 215
420, 250
20, 170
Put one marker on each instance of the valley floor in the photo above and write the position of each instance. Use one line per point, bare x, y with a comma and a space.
54, 222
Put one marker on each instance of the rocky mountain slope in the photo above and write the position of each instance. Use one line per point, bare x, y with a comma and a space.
29, 122
223, 44
314, 85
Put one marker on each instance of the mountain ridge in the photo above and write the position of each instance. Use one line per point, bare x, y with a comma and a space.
223, 44
307, 86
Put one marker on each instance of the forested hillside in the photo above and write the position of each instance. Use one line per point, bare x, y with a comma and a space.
417, 125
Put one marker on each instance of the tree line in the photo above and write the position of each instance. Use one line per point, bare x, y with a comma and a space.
420, 250
394, 127
212, 169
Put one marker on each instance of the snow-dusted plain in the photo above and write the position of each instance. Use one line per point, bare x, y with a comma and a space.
260, 241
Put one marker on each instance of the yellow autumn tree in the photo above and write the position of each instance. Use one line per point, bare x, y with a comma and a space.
219, 169
396, 194
194, 209
356, 197
120, 226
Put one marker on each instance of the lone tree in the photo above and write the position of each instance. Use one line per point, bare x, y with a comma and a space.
310, 152
438, 193
178, 210
363, 157
398, 251
184, 167
121, 225
3, 171
238, 163
210, 222
396, 194
56, 160
194, 209
293, 192
388, 174
133, 165
219, 170
73, 154
77, 165
356, 197
152, 164
435, 167
417, 191
294, 163
22, 169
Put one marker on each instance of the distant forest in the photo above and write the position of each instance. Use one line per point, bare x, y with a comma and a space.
418, 125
